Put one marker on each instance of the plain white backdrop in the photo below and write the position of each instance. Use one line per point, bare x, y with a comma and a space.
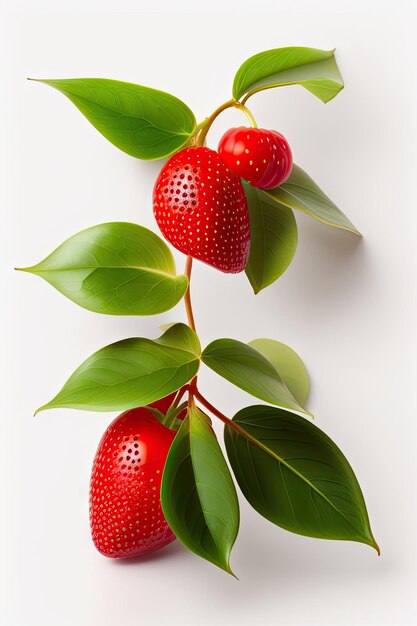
348, 306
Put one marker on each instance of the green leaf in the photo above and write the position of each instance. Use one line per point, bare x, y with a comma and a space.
288, 364
296, 477
273, 239
246, 368
315, 70
116, 268
144, 122
132, 372
198, 496
300, 192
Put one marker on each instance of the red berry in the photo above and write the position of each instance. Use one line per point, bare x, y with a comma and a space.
200, 207
125, 510
262, 157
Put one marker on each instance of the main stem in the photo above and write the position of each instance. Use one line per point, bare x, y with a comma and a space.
191, 322
193, 392
187, 297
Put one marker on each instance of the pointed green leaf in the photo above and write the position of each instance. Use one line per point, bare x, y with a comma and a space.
301, 193
198, 496
288, 365
315, 70
295, 476
116, 268
143, 122
246, 368
132, 372
273, 239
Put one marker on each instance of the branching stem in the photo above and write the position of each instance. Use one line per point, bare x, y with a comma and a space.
226, 105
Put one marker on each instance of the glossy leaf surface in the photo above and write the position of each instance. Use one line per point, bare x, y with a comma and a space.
295, 476
246, 368
288, 365
198, 496
274, 237
143, 122
132, 372
115, 268
315, 70
301, 193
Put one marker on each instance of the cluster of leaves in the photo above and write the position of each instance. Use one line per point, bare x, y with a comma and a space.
287, 468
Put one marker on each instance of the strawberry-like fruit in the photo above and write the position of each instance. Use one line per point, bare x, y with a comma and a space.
200, 207
262, 157
125, 510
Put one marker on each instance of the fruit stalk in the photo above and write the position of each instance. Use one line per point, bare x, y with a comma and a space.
226, 105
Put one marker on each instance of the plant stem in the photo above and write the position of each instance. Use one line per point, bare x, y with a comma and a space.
191, 323
228, 421
247, 112
226, 105
223, 418
179, 395
187, 297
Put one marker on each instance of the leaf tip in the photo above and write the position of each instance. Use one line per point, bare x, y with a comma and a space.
44, 407
229, 570
376, 547
308, 413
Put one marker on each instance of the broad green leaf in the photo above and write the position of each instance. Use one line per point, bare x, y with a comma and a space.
315, 70
132, 372
246, 368
116, 268
300, 192
198, 496
146, 123
295, 476
288, 365
273, 239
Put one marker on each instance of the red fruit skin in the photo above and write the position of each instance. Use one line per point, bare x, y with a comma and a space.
200, 207
262, 157
126, 517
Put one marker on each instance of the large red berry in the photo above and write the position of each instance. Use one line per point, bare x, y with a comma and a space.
262, 157
201, 208
125, 510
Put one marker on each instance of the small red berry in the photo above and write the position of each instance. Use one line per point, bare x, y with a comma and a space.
126, 516
200, 207
262, 157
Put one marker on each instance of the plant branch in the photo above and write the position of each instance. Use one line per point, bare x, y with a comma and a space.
224, 419
206, 125
187, 297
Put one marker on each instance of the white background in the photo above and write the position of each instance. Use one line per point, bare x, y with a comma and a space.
348, 306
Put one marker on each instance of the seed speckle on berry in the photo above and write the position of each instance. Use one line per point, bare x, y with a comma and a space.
209, 196
119, 506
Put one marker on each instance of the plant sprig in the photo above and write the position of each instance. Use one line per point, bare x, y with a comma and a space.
287, 468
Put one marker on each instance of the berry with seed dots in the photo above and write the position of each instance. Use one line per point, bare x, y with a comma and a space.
200, 207
262, 157
126, 516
